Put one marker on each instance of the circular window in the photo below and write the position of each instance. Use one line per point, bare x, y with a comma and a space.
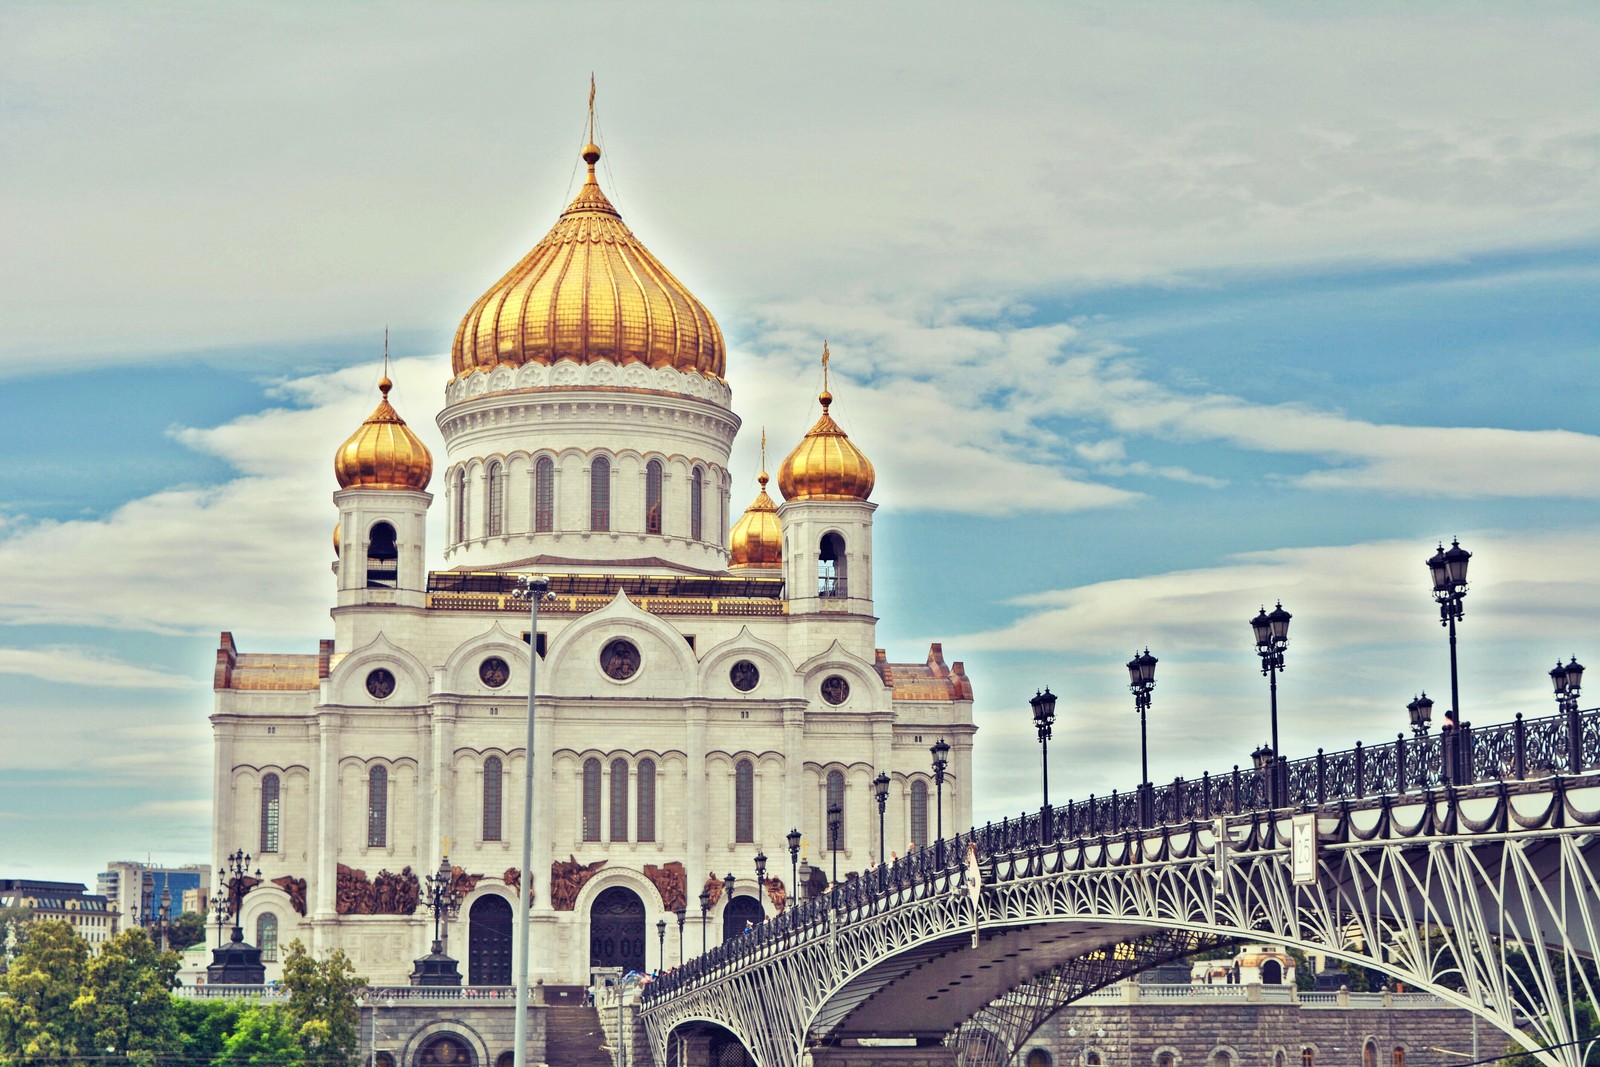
380, 683
835, 690
744, 675
620, 659
493, 672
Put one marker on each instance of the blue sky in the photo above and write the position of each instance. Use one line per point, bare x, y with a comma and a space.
1147, 314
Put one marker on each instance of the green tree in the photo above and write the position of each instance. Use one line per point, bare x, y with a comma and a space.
264, 1036
126, 1001
322, 1003
204, 1027
187, 930
37, 1020
11, 918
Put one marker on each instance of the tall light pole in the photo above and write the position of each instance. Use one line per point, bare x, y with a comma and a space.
533, 588
1044, 717
1448, 567
1421, 712
219, 909
835, 822
941, 760
661, 944
705, 910
1272, 637
1142, 682
880, 793
682, 914
727, 902
761, 884
1568, 681
793, 838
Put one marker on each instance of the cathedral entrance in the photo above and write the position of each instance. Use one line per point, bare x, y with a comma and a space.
740, 910
489, 942
446, 1050
616, 930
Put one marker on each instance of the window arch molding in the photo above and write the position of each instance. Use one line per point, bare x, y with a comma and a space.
494, 497
458, 505
542, 478
271, 812
600, 470
655, 496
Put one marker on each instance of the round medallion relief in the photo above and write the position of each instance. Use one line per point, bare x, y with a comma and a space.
380, 683
620, 659
493, 672
835, 690
744, 675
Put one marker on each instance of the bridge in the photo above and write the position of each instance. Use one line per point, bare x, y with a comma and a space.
1463, 864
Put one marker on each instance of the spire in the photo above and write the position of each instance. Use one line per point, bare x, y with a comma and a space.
826, 397
762, 477
591, 151
384, 384
826, 464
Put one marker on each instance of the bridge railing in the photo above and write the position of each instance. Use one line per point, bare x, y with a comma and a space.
1566, 743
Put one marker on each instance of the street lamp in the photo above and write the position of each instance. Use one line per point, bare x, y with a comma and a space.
941, 760
793, 838
761, 884
1044, 717
682, 914
661, 944
219, 908
1568, 681
1272, 637
705, 909
533, 588
880, 787
835, 823
1142, 682
1421, 711
727, 902
1448, 567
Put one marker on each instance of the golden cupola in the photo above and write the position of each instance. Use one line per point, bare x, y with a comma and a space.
756, 540
589, 292
826, 464
383, 453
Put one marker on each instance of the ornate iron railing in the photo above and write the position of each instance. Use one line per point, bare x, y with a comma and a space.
1521, 749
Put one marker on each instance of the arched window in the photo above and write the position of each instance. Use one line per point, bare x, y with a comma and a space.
492, 783
1308, 1057
744, 801
722, 516
836, 800
378, 808
919, 813
830, 566
1165, 1059
544, 495
1091, 1058
619, 800
697, 505
1039, 1058
591, 800
600, 494
1399, 1057
383, 557
1369, 1054
647, 800
460, 523
494, 523
652, 497
269, 813
267, 936
1221, 1058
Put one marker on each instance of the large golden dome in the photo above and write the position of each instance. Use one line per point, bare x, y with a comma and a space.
756, 540
826, 464
383, 453
589, 292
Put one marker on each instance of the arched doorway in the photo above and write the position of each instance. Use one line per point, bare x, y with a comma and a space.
446, 1050
739, 911
489, 942
1271, 972
616, 930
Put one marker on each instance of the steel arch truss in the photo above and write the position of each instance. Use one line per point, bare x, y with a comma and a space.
1487, 897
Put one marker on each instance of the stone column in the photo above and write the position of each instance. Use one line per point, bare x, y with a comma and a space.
322, 893
696, 853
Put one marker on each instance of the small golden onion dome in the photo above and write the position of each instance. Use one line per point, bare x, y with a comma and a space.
383, 453
826, 464
589, 292
338, 538
756, 540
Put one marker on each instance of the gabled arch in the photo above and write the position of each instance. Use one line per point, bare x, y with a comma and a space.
347, 681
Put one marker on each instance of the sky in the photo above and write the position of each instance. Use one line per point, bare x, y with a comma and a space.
1148, 315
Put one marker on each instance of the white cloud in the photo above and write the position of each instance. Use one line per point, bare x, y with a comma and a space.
80, 665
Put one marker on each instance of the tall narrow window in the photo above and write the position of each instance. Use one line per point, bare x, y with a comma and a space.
744, 801
697, 502
591, 800
1308, 1057
647, 800
830, 566
1369, 1055
652, 497
619, 800
544, 495
269, 813
494, 522
492, 782
919, 813
600, 493
722, 516
267, 936
836, 800
460, 523
1399, 1057
378, 808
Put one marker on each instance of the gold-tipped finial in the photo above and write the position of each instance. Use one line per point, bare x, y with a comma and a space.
762, 477
384, 384
826, 397
591, 151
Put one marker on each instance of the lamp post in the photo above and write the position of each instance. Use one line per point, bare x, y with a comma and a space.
880, 793
440, 897
1568, 682
835, 822
156, 918
705, 909
1044, 717
661, 944
238, 885
1142, 682
533, 588
1421, 711
941, 760
1448, 567
682, 914
761, 884
219, 909
1272, 637
727, 902
793, 838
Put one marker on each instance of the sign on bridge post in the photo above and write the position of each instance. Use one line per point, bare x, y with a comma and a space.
1303, 849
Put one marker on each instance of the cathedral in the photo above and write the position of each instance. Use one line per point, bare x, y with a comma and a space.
705, 684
